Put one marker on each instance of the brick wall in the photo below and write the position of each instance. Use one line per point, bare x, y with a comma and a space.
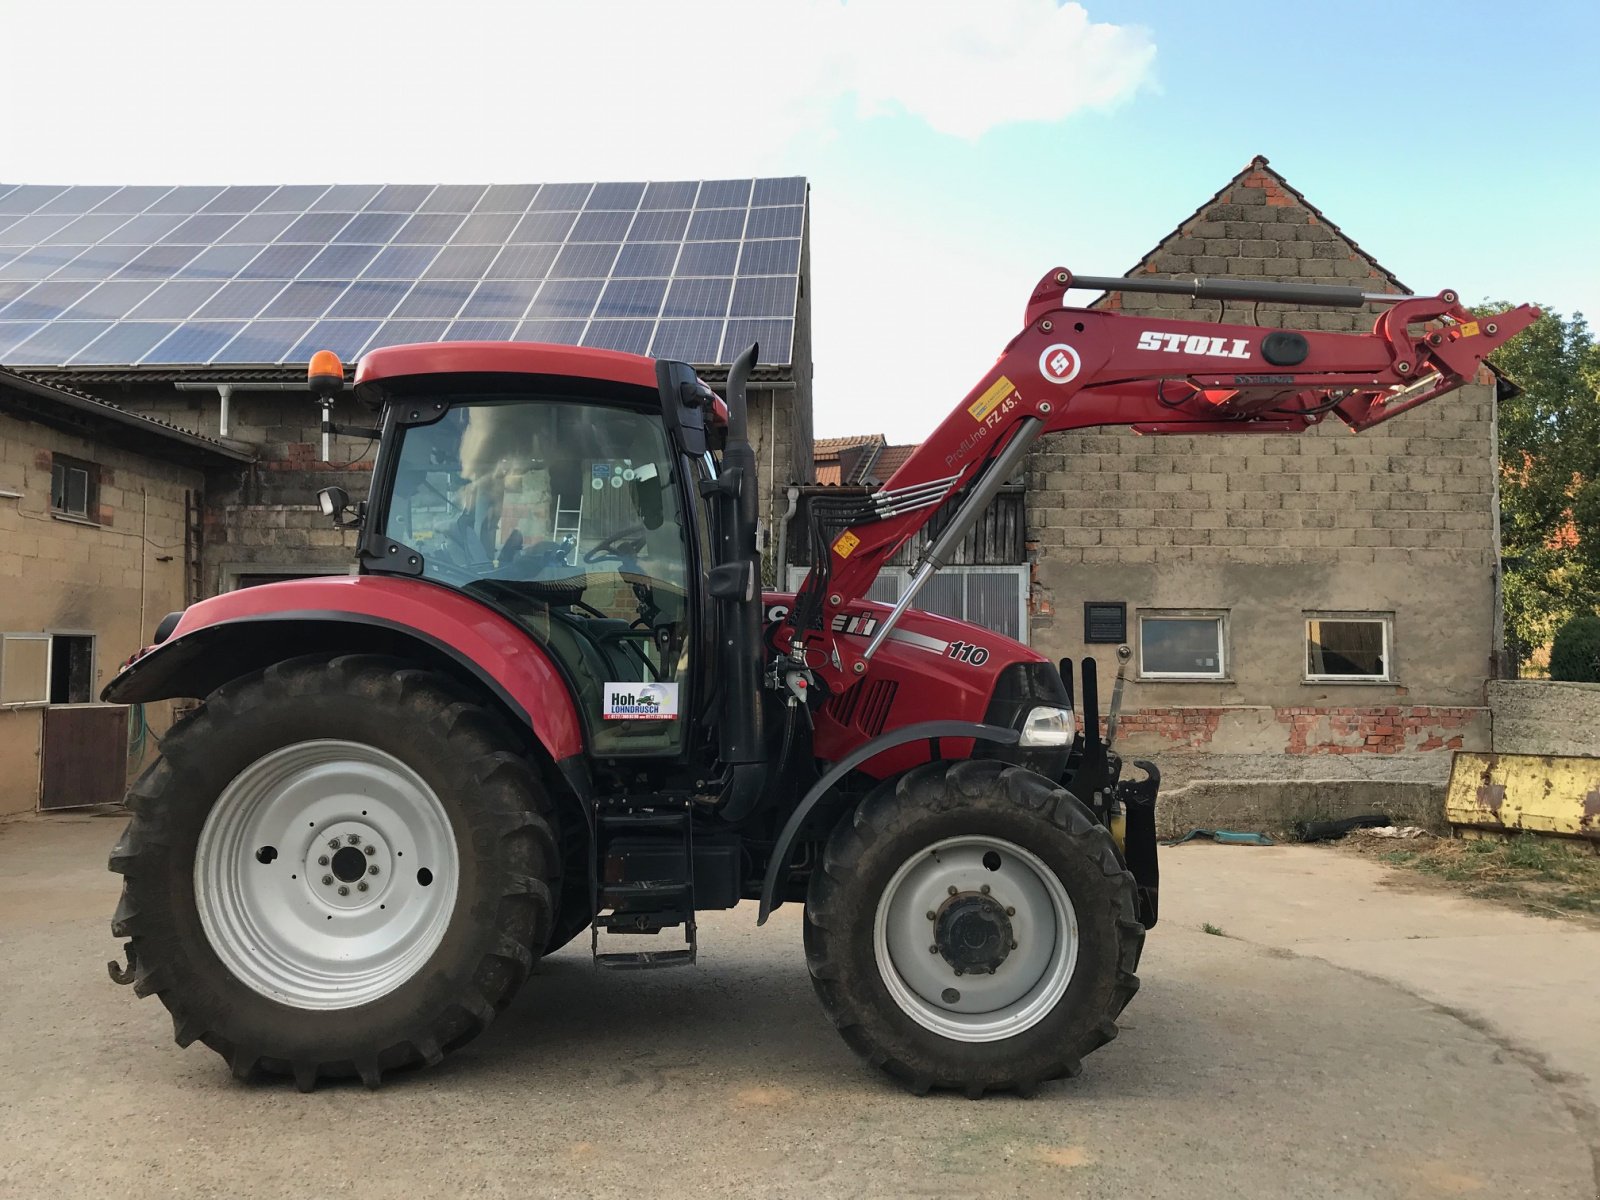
1399, 520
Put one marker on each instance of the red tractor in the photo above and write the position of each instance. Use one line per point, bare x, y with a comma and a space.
555, 700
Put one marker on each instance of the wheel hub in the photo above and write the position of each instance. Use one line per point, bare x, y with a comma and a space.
349, 864
972, 933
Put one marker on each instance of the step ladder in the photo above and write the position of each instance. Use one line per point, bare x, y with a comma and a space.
568, 524
643, 883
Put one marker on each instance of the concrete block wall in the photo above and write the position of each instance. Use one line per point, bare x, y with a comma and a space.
1269, 529
1542, 716
113, 577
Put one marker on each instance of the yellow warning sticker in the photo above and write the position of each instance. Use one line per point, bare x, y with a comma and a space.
990, 400
846, 543
1470, 329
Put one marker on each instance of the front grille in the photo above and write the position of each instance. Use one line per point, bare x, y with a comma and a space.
865, 706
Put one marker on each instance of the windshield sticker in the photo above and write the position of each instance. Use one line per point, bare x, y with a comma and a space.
640, 702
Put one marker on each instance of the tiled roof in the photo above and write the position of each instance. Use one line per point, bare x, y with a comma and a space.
70, 399
830, 447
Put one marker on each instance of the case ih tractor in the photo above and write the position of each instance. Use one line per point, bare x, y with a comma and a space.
555, 701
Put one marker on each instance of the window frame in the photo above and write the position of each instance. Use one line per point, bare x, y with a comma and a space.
1385, 620
65, 464
895, 580
1224, 649
44, 699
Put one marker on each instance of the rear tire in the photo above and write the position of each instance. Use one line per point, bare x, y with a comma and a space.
344, 968
982, 1012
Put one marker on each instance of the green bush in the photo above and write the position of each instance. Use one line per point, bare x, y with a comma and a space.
1575, 654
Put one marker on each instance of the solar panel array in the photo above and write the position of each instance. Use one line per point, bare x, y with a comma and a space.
111, 277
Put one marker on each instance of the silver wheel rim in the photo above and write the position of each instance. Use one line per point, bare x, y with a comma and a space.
976, 1007
283, 900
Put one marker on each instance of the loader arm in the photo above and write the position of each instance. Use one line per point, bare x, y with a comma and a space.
1077, 368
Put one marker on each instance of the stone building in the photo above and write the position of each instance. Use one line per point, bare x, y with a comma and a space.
1317, 606
99, 524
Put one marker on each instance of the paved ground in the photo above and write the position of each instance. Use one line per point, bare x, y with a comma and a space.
1350, 1036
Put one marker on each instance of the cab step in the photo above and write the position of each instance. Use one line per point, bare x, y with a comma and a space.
643, 883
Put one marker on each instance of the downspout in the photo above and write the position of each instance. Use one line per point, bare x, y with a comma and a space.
224, 410
781, 568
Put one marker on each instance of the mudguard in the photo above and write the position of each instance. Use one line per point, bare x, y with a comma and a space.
926, 731
232, 634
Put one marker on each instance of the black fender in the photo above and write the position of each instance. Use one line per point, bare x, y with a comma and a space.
201, 661
778, 863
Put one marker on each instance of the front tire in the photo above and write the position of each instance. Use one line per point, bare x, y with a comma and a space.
337, 868
972, 926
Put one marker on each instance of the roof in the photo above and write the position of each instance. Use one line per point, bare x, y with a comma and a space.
830, 447
865, 458
122, 280
509, 357
66, 408
1280, 193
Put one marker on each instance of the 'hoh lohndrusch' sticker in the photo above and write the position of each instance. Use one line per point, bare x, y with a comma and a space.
639, 702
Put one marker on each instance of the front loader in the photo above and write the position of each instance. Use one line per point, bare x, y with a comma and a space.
554, 701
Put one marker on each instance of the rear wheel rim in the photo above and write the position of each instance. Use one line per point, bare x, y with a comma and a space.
326, 874
933, 980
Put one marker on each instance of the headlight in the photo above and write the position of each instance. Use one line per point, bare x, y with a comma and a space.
1048, 725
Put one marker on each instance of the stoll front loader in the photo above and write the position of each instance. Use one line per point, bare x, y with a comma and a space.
555, 700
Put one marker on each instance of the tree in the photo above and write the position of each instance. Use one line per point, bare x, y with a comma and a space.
1550, 476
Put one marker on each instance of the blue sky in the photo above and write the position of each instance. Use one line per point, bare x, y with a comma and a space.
956, 149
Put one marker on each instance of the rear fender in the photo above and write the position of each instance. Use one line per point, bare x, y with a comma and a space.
248, 630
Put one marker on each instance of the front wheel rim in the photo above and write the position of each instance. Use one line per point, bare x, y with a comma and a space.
993, 885
326, 874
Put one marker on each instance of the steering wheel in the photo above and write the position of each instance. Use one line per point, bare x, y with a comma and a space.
623, 545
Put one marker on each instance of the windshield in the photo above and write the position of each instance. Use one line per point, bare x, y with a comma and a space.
565, 513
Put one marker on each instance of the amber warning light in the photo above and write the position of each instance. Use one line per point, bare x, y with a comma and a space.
325, 374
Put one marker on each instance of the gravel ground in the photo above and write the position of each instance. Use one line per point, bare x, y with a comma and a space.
1252, 1064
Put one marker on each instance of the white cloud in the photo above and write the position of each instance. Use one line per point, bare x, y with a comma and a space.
305, 89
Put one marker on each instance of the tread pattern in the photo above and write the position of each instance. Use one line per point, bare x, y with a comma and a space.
512, 823
836, 906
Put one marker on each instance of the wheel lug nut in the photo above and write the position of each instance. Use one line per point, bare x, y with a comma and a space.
343, 891
362, 886
371, 850
933, 949
372, 870
984, 889
1013, 945
952, 889
958, 971
334, 843
354, 840
932, 916
327, 881
322, 860
1011, 912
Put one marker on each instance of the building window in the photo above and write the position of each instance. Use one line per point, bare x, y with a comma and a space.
1348, 646
71, 668
1182, 645
74, 487
994, 597
24, 668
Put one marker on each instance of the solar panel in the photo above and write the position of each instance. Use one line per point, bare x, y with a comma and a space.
262, 275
